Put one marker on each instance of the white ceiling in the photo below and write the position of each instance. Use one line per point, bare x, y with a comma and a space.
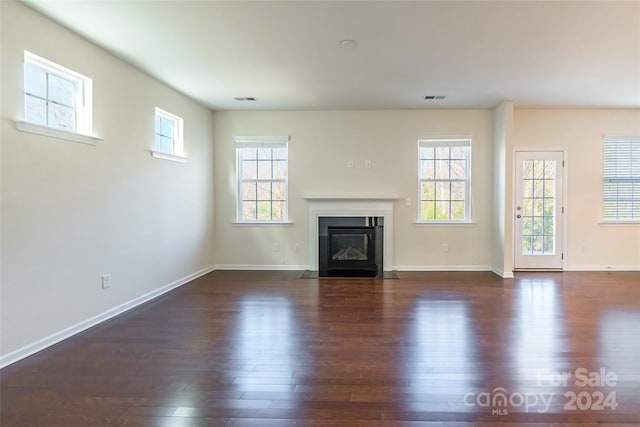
288, 54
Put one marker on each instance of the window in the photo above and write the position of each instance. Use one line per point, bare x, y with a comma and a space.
444, 179
55, 96
168, 133
622, 179
262, 168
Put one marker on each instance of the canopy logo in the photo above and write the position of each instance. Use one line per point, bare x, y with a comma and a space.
588, 397
499, 400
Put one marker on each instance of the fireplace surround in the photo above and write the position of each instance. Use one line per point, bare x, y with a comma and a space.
351, 207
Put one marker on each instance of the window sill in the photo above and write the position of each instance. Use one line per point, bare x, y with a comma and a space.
57, 133
614, 223
167, 156
444, 223
262, 223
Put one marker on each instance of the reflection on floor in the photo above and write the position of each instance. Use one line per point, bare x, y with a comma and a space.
268, 349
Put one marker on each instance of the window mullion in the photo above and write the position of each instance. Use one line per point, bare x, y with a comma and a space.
46, 103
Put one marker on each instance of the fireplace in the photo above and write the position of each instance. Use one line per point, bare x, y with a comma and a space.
352, 250
349, 211
350, 246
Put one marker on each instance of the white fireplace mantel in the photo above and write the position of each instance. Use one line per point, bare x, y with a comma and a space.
351, 206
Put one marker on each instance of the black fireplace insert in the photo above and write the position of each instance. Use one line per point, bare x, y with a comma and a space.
351, 251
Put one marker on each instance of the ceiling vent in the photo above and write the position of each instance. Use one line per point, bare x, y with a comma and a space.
245, 98
435, 97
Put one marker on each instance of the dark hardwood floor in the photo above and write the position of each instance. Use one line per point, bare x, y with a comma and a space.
427, 349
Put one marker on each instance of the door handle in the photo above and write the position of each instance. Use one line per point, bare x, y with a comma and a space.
518, 216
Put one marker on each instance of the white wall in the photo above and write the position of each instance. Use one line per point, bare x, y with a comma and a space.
590, 245
321, 144
323, 141
72, 212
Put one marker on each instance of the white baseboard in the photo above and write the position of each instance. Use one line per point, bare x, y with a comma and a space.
502, 273
266, 267
601, 268
52, 339
442, 268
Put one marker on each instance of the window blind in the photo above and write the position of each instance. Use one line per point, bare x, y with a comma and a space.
622, 179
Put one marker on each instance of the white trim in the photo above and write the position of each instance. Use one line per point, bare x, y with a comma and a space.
260, 140
57, 133
261, 223
354, 198
52, 339
445, 140
443, 268
346, 207
258, 267
167, 156
502, 273
445, 223
626, 138
602, 268
618, 223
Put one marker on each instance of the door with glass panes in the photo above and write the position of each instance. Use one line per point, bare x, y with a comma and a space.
538, 210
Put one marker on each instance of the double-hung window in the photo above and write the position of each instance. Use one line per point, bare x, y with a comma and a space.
262, 169
444, 179
622, 179
56, 97
168, 133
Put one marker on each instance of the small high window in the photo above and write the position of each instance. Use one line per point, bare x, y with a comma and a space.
168, 133
55, 96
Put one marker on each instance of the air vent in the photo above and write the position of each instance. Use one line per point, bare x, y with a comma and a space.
245, 98
435, 97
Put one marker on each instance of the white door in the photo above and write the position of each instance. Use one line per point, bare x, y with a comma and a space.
538, 210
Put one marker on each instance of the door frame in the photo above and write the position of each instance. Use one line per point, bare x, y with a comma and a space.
564, 203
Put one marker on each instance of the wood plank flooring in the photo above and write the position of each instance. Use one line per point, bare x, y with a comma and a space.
427, 349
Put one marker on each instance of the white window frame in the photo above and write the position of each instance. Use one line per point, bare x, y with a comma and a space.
259, 142
177, 138
435, 142
83, 99
621, 166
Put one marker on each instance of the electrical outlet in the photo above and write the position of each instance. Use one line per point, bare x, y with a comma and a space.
296, 247
106, 281
445, 247
276, 247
